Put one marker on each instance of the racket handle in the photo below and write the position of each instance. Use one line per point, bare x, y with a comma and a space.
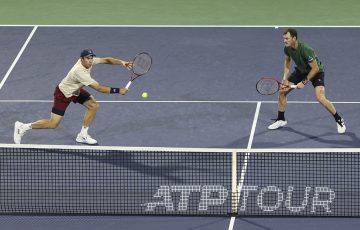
128, 85
293, 86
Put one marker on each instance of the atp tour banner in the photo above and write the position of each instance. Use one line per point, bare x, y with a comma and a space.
253, 200
92, 181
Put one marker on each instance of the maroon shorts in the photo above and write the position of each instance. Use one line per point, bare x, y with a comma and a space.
61, 102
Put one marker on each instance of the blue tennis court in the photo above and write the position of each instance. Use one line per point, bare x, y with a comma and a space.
201, 95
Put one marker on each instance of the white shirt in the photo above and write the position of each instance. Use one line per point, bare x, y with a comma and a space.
77, 78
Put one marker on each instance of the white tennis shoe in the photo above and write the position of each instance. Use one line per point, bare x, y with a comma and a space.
85, 139
19, 131
341, 128
277, 124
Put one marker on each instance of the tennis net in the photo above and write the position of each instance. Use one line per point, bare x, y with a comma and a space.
87, 180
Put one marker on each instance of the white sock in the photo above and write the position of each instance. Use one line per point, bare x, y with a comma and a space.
84, 130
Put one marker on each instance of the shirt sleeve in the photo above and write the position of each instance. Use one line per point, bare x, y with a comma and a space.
286, 52
309, 54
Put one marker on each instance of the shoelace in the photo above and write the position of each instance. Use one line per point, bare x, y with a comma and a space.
340, 122
87, 137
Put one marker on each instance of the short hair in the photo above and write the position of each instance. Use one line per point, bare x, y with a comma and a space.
292, 32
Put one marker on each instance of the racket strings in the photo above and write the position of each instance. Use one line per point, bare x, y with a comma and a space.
267, 86
142, 64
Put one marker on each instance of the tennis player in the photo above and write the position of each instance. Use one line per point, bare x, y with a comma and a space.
308, 69
70, 90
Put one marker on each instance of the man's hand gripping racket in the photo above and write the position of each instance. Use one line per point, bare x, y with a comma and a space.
139, 66
270, 86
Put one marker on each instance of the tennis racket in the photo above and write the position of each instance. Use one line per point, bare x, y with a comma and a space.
141, 64
269, 86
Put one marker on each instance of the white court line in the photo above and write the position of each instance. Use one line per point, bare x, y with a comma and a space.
17, 57
246, 159
224, 102
191, 26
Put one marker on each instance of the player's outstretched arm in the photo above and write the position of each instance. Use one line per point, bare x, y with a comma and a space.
106, 89
114, 61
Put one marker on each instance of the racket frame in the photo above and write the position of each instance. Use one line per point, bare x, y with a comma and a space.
136, 75
279, 83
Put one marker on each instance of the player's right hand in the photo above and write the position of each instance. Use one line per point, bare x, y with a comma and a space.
283, 86
123, 91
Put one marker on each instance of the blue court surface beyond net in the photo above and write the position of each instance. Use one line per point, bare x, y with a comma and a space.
202, 100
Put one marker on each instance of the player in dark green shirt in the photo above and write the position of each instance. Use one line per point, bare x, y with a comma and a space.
308, 68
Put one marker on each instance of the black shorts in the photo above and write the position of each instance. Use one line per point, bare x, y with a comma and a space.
317, 80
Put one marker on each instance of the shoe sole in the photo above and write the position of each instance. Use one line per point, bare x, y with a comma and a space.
84, 142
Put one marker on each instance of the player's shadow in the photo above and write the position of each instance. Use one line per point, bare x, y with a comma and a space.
354, 141
171, 167
253, 223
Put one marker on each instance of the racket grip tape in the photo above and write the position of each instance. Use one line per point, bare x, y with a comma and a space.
293, 86
128, 85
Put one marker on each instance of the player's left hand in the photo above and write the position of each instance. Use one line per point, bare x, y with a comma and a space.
127, 65
300, 85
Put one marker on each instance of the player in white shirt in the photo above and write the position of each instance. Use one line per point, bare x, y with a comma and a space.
70, 90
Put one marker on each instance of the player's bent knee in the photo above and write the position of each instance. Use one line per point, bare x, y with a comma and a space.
283, 94
54, 121
94, 106
321, 99
53, 124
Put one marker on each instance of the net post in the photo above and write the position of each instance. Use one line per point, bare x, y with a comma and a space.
234, 196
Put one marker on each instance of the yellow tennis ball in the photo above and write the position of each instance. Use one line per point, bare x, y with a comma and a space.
145, 94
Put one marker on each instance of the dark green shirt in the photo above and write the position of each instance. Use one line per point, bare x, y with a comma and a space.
302, 56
